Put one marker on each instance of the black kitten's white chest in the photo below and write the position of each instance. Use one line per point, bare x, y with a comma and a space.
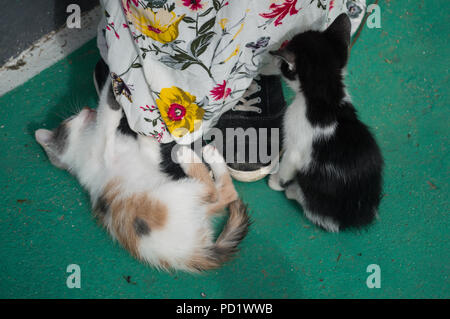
300, 134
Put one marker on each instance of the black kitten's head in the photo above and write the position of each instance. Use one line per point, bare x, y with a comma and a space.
315, 58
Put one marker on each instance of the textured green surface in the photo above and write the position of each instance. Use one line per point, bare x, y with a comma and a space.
398, 77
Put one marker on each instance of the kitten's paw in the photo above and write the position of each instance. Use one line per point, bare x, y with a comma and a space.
274, 183
215, 160
291, 192
211, 155
186, 156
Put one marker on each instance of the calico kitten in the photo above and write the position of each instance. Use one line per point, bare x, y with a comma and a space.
160, 220
332, 164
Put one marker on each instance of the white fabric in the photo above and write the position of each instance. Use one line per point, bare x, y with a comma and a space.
197, 57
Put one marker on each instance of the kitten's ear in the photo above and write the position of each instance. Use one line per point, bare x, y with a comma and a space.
340, 29
45, 139
286, 56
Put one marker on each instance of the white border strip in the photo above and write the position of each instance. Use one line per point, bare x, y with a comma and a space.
47, 51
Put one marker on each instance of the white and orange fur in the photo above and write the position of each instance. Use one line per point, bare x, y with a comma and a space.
165, 222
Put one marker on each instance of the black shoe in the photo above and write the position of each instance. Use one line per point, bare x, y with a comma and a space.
101, 73
262, 106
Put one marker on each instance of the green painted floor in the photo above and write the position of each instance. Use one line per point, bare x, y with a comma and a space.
398, 77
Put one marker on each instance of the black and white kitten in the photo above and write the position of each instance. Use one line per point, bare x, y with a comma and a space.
332, 164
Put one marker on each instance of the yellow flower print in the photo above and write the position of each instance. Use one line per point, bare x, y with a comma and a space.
223, 23
239, 31
236, 51
161, 26
179, 111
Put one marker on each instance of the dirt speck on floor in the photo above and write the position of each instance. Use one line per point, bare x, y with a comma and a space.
432, 185
128, 280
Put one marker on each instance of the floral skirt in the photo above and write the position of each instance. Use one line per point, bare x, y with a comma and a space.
177, 65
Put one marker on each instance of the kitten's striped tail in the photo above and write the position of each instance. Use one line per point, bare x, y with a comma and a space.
228, 241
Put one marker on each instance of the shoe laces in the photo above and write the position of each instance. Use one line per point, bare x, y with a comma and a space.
245, 103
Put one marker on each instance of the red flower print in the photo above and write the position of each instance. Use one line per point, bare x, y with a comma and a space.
148, 108
159, 136
331, 4
280, 11
156, 30
135, 2
135, 37
176, 112
110, 27
194, 5
127, 8
220, 91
